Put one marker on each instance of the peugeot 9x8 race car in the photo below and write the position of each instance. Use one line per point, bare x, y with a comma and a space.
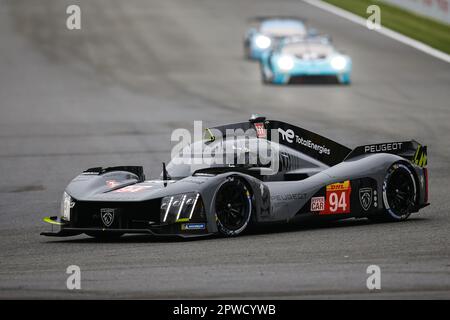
315, 178
296, 60
265, 32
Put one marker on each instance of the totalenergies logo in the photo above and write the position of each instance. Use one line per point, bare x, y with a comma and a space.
339, 186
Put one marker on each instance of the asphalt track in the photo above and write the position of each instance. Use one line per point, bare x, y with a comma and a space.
113, 92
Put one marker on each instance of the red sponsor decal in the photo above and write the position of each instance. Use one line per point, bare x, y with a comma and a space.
112, 183
337, 198
260, 130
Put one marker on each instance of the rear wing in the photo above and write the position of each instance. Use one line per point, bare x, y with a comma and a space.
312, 144
327, 151
410, 150
316, 146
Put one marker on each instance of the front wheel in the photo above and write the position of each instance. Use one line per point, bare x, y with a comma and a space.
233, 205
247, 51
264, 78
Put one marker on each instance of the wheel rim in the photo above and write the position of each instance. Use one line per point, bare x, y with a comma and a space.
399, 191
233, 205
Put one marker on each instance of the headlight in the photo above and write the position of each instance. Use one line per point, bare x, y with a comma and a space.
263, 42
338, 63
179, 207
66, 204
285, 63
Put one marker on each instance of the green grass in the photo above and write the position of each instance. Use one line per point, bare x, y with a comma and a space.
428, 31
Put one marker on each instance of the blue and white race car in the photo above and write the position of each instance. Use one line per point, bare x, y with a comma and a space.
299, 60
268, 31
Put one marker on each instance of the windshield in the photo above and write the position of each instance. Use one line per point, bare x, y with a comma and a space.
243, 153
306, 50
283, 28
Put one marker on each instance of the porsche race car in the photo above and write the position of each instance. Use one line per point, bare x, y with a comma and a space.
315, 178
265, 32
298, 59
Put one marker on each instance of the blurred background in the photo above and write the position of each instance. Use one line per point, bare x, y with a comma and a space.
112, 92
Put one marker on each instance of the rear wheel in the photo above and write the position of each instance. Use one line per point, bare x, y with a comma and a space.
344, 79
233, 207
399, 193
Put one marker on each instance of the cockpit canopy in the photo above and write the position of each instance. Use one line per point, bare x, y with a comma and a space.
233, 153
255, 155
305, 49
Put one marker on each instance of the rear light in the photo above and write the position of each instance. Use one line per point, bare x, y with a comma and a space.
425, 173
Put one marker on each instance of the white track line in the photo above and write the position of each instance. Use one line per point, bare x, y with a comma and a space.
387, 32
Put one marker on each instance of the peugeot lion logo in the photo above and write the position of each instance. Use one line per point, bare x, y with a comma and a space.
107, 216
365, 198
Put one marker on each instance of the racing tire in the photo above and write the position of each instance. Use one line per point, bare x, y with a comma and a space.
399, 194
247, 53
233, 207
344, 79
264, 78
104, 235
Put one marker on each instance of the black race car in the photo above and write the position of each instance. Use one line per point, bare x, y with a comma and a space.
302, 175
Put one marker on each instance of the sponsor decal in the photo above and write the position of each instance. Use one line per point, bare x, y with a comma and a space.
420, 157
107, 215
289, 136
112, 183
193, 226
339, 186
132, 189
383, 147
289, 196
260, 130
317, 203
337, 199
365, 198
